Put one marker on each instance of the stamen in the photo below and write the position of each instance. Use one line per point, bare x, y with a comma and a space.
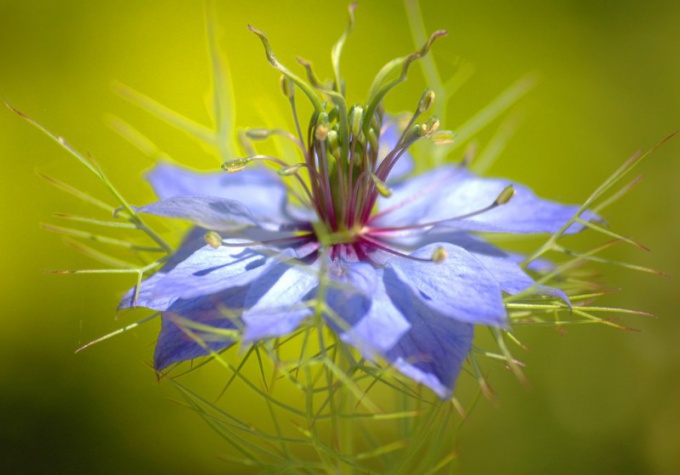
503, 197
263, 134
334, 144
386, 248
325, 181
439, 255
235, 165
238, 164
380, 185
470, 154
265, 242
213, 239
291, 169
429, 127
426, 101
288, 89
443, 137
380, 172
354, 209
258, 134
390, 160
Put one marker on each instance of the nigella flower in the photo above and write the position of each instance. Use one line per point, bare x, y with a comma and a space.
393, 257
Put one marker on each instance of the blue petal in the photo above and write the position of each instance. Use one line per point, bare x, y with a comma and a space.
395, 324
209, 271
459, 287
449, 192
502, 266
363, 315
276, 303
434, 349
218, 214
192, 242
260, 190
175, 342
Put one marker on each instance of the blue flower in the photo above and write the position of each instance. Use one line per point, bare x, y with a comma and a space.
407, 283
393, 258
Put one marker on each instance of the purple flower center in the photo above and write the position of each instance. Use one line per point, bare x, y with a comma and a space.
348, 168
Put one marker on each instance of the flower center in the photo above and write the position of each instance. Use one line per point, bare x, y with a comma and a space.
341, 174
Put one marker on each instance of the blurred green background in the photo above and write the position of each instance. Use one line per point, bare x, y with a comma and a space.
601, 401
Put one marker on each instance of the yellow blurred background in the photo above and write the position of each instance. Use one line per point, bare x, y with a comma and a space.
601, 401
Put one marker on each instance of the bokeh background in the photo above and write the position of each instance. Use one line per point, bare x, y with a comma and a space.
601, 400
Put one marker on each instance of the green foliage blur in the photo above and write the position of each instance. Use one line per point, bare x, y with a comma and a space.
601, 400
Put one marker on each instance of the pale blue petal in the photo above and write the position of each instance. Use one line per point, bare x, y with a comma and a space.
363, 315
502, 266
276, 303
432, 352
175, 342
453, 191
259, 189
537, 265
459, 287
424, 345
192, 242
218, 214
209, 271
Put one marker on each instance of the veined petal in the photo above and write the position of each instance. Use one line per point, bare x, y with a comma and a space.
261, 191
275, 304
423, 344
433, 350
453, 191
502, 266
192, 242
183, 334
459, 287
218, 214
209, 271
364, 315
